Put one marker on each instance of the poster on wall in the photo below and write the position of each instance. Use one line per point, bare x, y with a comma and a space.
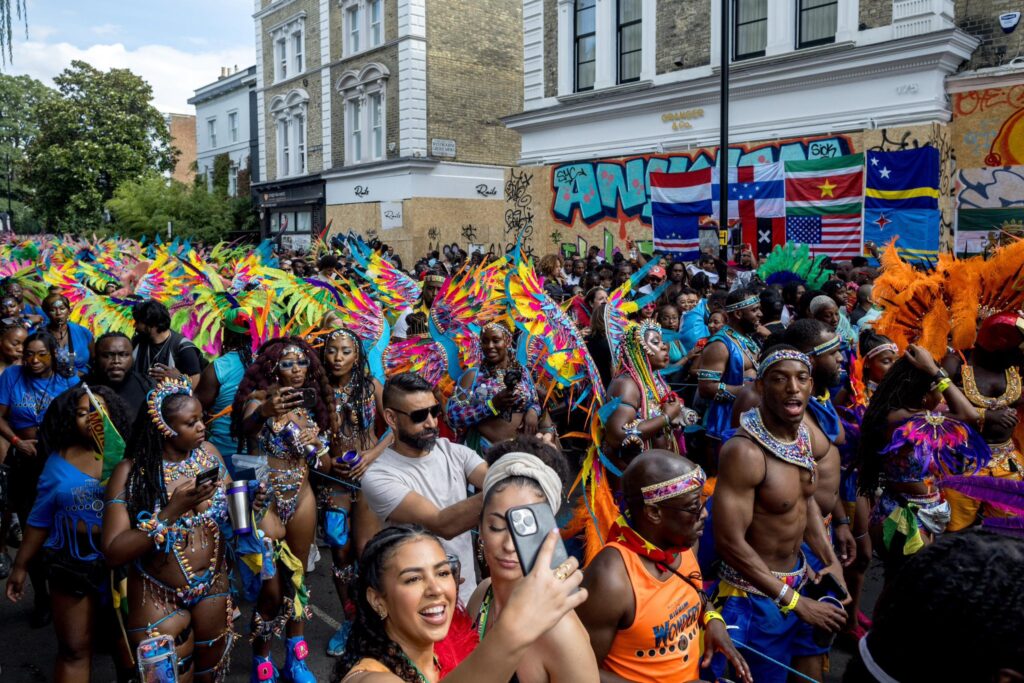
390, 215
990, 207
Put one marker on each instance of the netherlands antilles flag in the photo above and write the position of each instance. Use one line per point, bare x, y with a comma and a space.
677, 202
901, 200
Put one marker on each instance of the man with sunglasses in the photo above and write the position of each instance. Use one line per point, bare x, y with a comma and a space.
422, 479
647, 624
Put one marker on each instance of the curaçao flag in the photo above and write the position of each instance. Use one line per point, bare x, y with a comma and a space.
901, 200
677, 202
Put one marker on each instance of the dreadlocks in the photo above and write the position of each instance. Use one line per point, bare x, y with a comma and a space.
903, 387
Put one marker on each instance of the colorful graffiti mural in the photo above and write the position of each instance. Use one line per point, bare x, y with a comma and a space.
619, 189
990, 126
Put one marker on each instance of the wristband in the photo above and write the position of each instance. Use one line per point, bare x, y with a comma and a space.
940, 375
944, 384
711, 615
782, 595
490, 404
841, 521
792, 604
15, 440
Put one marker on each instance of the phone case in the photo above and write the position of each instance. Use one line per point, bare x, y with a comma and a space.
158, 660
204, 477
529, 526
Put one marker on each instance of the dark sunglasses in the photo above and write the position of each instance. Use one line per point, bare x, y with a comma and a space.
420, 415
289, 364
692, 509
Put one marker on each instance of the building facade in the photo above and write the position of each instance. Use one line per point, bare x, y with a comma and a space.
182, 128
225, 126
384, 117
614, 89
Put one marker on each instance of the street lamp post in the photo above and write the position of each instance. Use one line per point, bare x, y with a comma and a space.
723, 133
10, 178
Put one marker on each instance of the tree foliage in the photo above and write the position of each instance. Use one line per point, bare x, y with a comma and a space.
221, 173
145, 206
100, 132
20, 98
7, 11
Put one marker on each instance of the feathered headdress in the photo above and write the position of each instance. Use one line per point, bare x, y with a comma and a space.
621, 305
794, 263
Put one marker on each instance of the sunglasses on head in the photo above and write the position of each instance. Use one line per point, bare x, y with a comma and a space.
289, 364
421, 414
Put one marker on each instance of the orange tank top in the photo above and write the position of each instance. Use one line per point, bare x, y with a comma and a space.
663, 643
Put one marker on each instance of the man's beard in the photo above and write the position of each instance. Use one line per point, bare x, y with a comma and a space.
422, 441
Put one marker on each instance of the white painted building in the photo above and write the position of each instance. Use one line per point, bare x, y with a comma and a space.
225, 124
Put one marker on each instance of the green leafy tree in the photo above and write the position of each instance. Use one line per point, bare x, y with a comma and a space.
100, 132
21, 98
146, 206
7, 11
221, 173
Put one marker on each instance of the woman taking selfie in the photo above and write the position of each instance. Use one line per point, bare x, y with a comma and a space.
524, 472
166, 508
406, 595
26, 391
346, 516
64, 527
285, 403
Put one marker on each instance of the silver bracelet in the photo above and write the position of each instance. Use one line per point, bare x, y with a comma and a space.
780, 601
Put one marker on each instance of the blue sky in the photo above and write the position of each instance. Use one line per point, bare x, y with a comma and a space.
176, 46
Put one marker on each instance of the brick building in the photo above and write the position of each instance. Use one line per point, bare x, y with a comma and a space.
183, 137
384, 117
616, 88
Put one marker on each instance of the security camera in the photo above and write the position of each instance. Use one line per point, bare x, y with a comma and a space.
1008, 21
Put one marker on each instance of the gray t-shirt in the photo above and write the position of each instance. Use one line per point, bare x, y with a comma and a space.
441, 477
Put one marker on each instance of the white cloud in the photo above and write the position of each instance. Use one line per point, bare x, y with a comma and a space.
173, 74
105, 29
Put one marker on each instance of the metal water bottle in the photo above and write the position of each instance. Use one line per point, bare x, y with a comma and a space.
240, 506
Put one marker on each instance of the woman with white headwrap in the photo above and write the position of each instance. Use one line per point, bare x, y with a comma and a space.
523, 472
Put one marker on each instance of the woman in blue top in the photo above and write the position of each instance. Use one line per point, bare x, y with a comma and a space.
74, 342
63, 530
26, 391
219, 382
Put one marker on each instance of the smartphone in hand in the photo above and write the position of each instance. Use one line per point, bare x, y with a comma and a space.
208, 475
530, 526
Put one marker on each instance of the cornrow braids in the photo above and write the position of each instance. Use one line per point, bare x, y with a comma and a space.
145, 486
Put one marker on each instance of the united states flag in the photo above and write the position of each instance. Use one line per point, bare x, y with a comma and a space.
838, 236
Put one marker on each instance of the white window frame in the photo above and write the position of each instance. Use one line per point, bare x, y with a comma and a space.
606, 44
211, 132
291, 114
357, 88
233, 125
289, 41
233, 180
368, 35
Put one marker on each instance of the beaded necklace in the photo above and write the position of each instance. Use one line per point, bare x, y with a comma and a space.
423, 678
747, 345
1009, 396
796, 452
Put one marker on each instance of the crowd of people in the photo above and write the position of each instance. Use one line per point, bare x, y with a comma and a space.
709, 456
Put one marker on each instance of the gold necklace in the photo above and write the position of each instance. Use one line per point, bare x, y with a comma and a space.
1009, 396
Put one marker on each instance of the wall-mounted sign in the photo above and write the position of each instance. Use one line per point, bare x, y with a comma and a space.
390, 215
682, 120
441, 147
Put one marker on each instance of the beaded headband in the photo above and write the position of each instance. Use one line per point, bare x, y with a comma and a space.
155, 399
434, 280
881, 348
292, 348
778, 357
694, 481
831, 345
746, 303
498, 327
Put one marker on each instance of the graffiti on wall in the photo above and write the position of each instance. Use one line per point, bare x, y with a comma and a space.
618, 189
991, 188
518, 217
990, 125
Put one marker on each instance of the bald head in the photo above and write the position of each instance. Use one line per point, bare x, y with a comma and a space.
649, 468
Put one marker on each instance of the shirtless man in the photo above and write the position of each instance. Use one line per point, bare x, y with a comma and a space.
647, 626
763, 510
991, 381
729, 360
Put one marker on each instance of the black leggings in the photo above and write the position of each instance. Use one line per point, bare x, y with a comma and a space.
23, 478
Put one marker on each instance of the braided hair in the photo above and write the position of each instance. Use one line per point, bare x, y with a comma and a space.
369, 638
360, 381
903, 387
57, 432
261, 375
239, 343
145, 487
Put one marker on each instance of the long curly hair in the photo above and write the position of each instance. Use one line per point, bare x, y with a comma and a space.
145, 487
369, 639
57, 432
903, 387
360, 381
262, 375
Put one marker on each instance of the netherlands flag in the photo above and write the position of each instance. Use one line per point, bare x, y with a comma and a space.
677, 202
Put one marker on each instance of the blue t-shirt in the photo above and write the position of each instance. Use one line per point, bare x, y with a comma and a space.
77, 350
66, 496
28, 397
229, 370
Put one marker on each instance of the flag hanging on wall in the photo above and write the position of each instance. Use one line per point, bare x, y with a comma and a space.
823, 205
902, 200
677, 202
